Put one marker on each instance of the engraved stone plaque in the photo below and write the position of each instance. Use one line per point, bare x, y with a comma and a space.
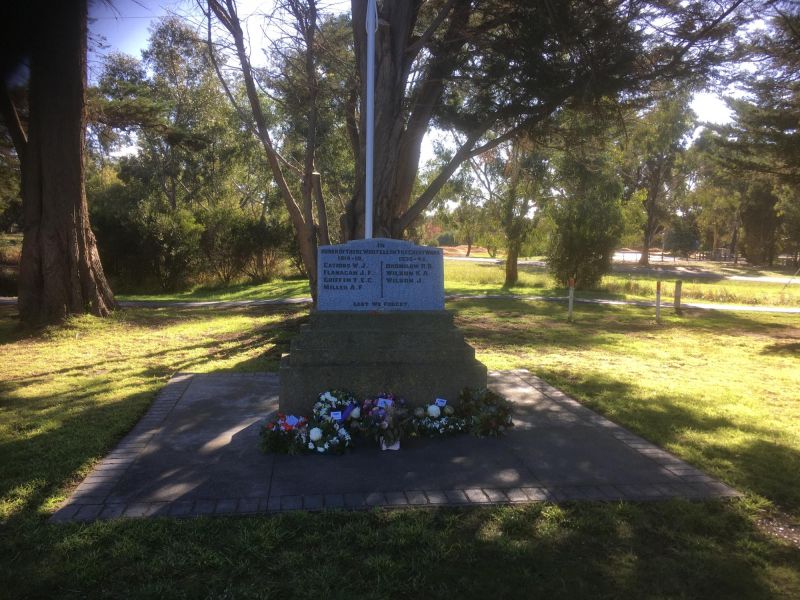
380, 275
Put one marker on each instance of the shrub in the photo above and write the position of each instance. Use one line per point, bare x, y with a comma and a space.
446, 239
587, 224
172, 245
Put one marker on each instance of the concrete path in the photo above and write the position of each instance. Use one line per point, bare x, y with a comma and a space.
196, 453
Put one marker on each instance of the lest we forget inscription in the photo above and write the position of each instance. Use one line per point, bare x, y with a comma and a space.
380, 274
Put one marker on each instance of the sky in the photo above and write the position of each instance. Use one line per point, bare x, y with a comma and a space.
124, 27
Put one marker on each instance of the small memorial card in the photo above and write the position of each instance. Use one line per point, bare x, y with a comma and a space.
385, 402
336, 415
291, 420
441, 402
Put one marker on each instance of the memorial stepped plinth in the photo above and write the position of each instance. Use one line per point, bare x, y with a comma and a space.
418, 355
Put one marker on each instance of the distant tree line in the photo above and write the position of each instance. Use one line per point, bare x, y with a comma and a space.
568, 123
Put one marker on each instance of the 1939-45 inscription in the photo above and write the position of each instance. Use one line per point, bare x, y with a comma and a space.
380, 275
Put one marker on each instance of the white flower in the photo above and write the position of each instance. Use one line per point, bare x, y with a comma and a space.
433, 411
356, 413
315, 434
327, 396
320, 449
310, 445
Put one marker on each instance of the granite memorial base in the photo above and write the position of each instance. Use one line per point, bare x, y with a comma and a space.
418, 355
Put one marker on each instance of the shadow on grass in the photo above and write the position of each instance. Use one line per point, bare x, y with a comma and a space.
659, 550
790, 349
757, 463
597, 324
52, 435
674, 549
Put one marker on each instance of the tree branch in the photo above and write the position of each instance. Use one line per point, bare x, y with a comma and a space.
423, 40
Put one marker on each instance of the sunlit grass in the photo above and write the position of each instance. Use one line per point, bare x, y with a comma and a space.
720, 390
463, 277
85, 384
717, 389
466, 278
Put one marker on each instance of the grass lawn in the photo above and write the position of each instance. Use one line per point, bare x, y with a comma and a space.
480, 278
477, 278
719, 390
278, 288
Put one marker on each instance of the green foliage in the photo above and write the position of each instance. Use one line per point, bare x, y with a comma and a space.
760, 220
171, 245
587, 219
446, 239
683, 236
234, 242
10, 196
652, 167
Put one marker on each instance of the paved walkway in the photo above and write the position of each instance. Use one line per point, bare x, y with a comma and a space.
196, 453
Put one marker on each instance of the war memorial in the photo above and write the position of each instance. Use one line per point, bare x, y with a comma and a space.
379, 326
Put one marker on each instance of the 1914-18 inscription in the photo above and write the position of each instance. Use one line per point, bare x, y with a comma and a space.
380, 275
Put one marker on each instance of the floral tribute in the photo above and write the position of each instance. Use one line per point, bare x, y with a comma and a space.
385, 419
437, 419
281, 435
338, 417
326, 437
486, 413
334, 401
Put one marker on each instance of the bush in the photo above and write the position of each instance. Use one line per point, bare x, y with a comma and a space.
224, 242
266, 241
8, 281
446, 239
588, 223
683, 236
172, 245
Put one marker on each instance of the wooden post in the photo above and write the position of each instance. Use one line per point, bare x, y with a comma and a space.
678, 286
571, 284
658, 302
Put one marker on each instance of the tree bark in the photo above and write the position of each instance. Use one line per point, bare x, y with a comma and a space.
397, 139
60, 269
512, 270
651, 210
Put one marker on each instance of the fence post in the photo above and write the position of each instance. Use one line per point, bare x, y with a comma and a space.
571, 284
658, 301
678, 286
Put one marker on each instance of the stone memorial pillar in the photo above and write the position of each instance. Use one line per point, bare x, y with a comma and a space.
379, 326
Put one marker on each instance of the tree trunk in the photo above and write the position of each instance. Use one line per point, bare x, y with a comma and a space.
397, 139
60, 270
512, 274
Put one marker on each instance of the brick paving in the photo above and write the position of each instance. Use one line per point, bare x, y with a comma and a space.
195, 453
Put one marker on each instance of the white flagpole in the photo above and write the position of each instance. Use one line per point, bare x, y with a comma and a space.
372, 26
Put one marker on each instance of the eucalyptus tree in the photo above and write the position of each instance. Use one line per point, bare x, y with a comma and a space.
494, 69
651, 165
297, 180
489, 70
513, 178
762, 143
